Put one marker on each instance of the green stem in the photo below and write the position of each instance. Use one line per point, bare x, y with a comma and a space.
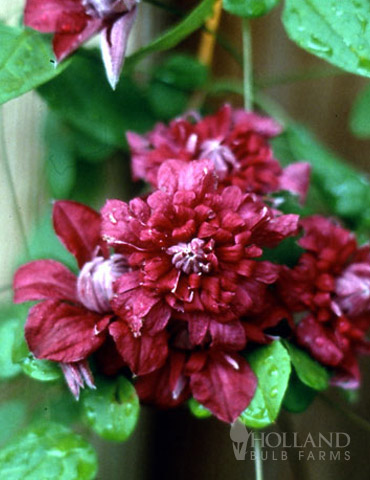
302, 76
353, 417
257, 455
247, 64
273, 109
13, 193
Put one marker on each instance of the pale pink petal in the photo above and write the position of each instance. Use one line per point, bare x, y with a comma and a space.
114, 44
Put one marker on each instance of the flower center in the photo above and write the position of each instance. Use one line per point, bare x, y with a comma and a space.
353, 289
221, 156
191, 257
95, 282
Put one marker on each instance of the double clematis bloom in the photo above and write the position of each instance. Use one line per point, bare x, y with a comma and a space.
191, 251
235, 141
73, 22
330, 287
172, 286
71, 321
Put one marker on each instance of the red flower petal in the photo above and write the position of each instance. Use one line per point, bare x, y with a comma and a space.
230, 336
64, 43
48, 16
44, 279
122, 225
144, 353
225, 385
197, 177
64, 333
312, 335
133, 305
78, 228
166, 387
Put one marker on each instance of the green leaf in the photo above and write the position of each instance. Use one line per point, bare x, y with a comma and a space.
48, 451
360, 118
298, 396
176, 34
271, 364
183, 72
172, 84
345, 191
13, 415
82, 97
287, 253
9, 331
60, 158
337, 31
166, 101
198, 410
310, 372
42, 370
112, 409
249, 8
25, 61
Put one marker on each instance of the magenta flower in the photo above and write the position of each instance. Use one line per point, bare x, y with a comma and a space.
214, 373
221, 381
192, 249
71, 321
73, 22
331, 287
235, 141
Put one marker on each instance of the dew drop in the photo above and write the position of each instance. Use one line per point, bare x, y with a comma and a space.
274, 392
273, 371
317, 46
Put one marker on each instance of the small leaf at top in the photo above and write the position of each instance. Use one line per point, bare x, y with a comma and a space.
337, 31
249, 8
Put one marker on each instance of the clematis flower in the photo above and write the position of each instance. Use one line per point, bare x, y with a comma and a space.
330, 288
235, 141
214, 373
73, 22
70, 322
221, 381
192, 250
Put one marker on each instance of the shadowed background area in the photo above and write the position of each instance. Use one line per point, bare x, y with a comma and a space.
172, 444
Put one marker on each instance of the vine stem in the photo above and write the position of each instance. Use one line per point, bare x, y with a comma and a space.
9, 177
206, 50
247, 64
257, 456
208, 39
